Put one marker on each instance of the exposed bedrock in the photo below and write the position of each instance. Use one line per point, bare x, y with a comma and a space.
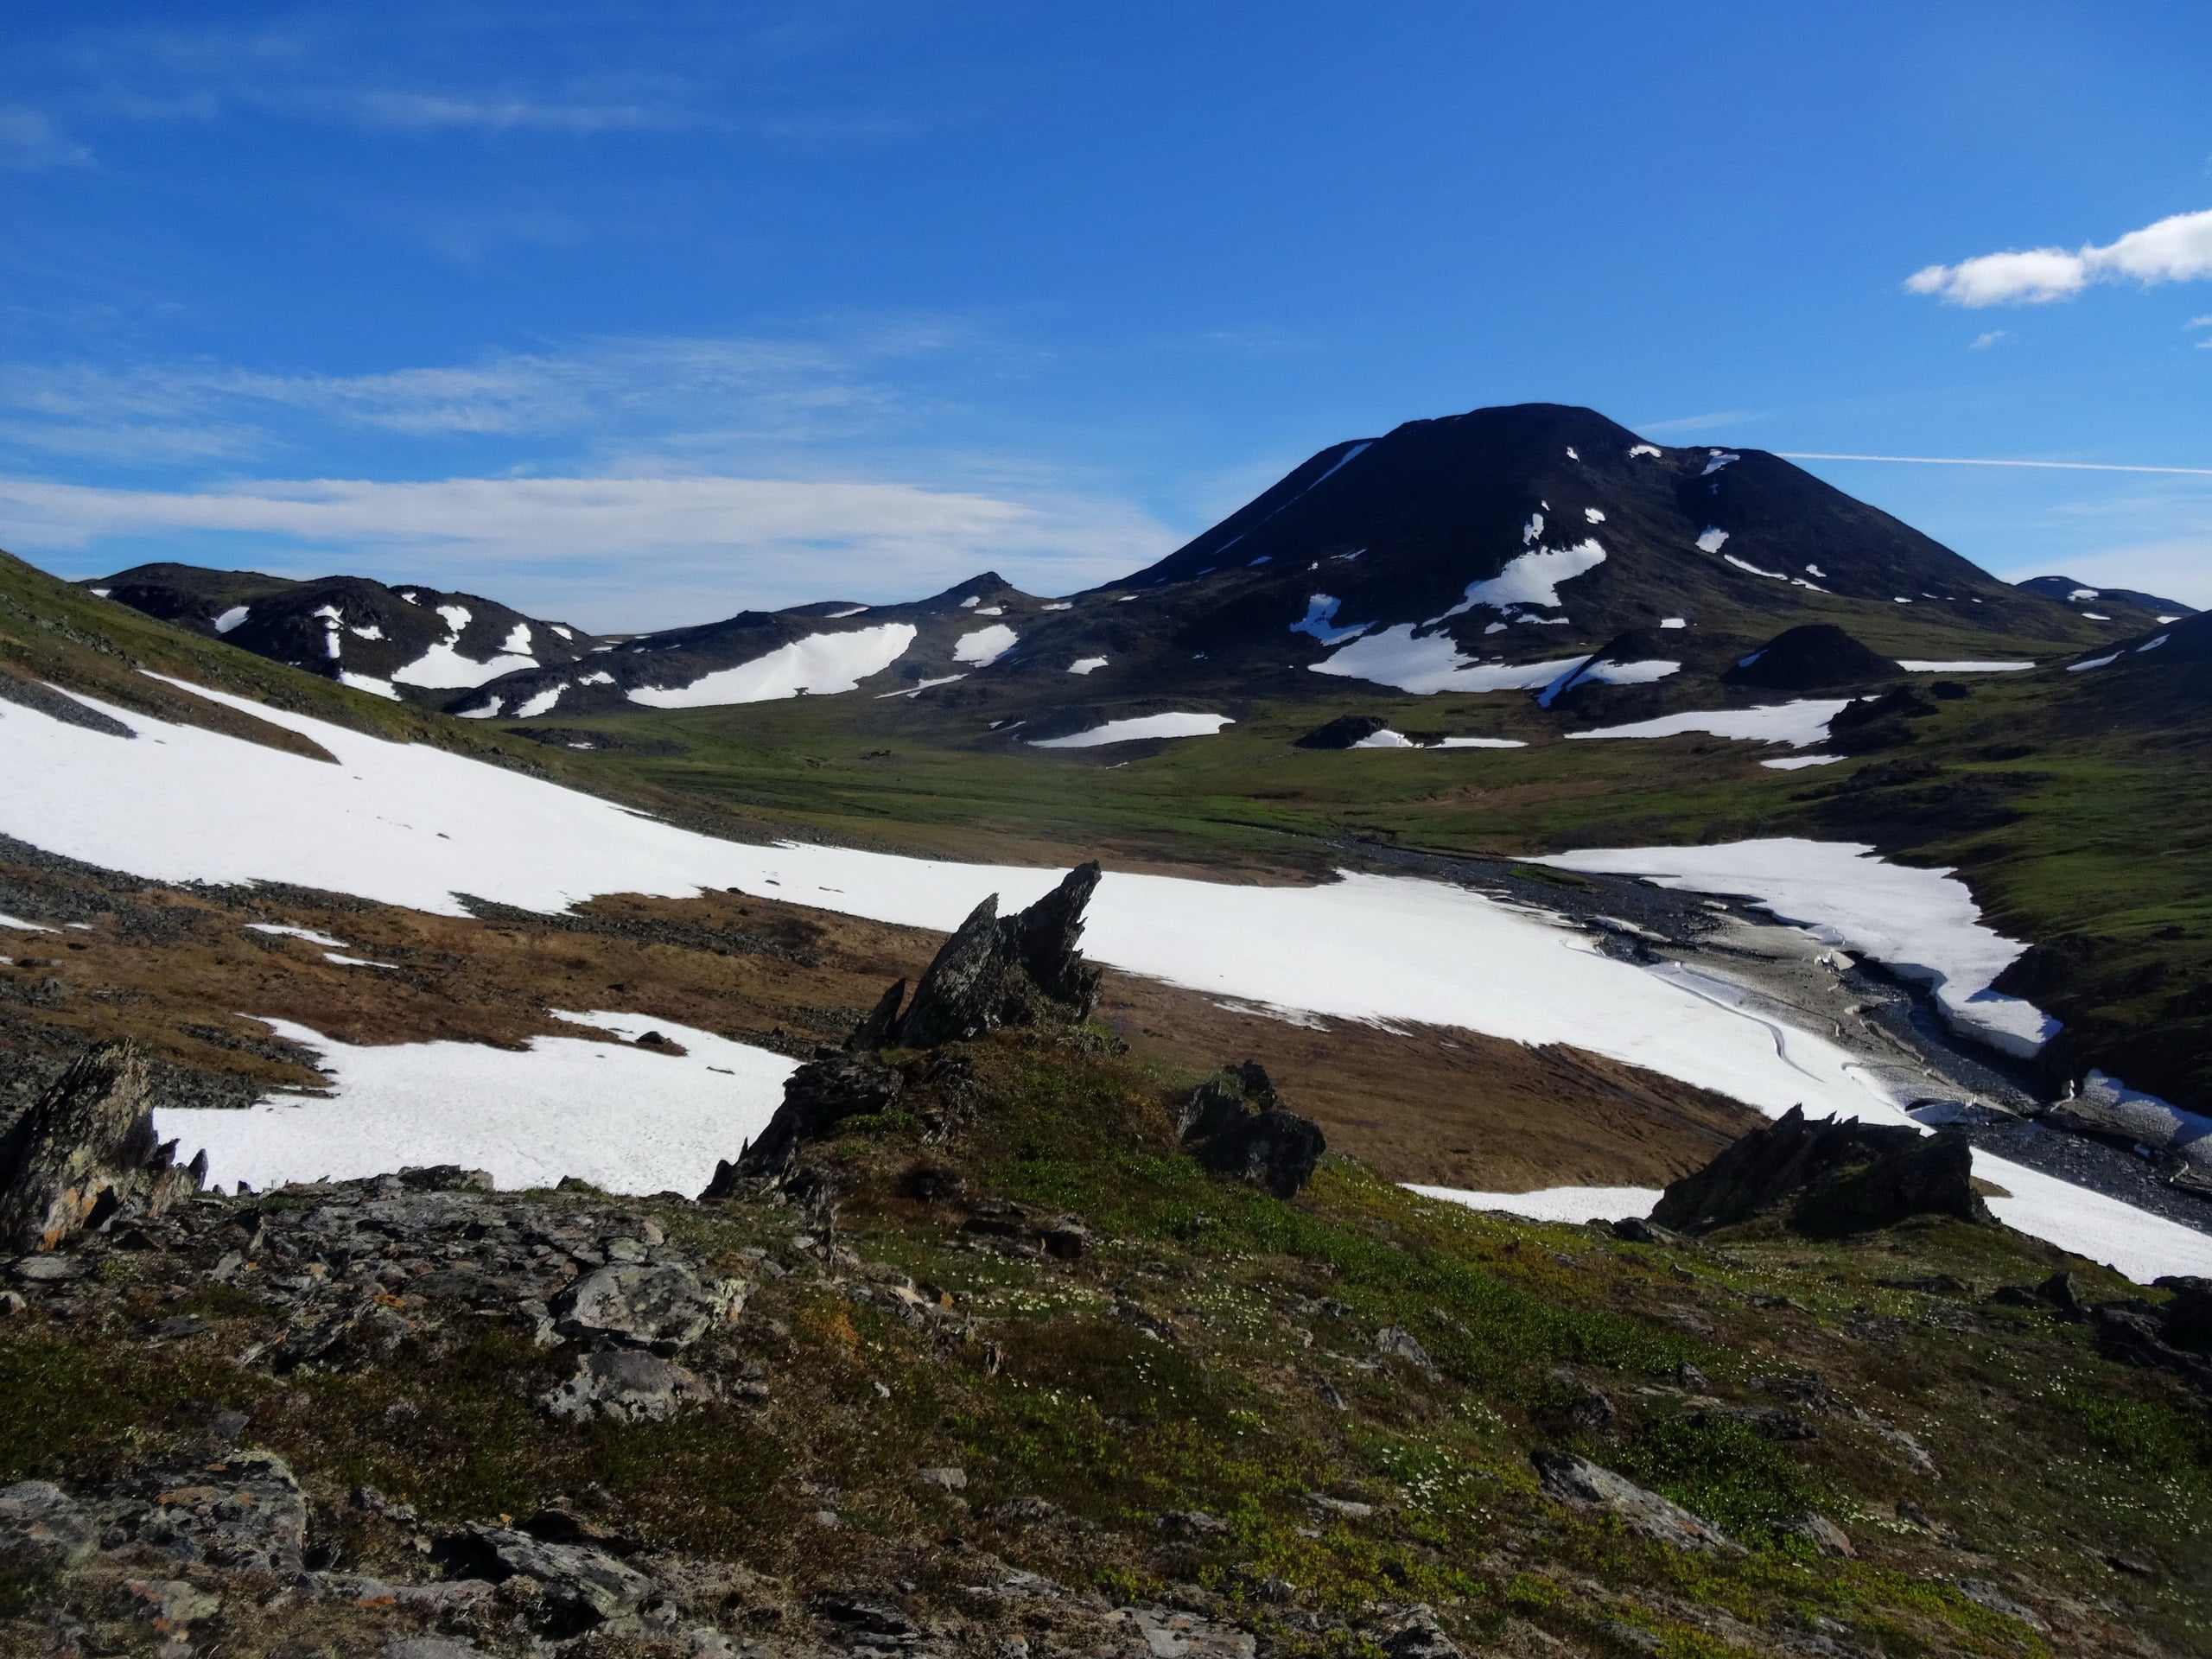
86, 1150
1237, 1125
993, 970
1013, 971
818, 1096
1825, 1178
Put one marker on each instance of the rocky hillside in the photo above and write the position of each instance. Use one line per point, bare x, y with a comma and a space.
407, 641
1013, 1342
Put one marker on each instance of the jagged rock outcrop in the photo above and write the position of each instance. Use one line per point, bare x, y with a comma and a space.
994, 970
816, 1097
1825, 1178
86, 1149
1237, 1125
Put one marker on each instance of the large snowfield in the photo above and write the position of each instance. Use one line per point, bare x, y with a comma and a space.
414, 826
527, 1117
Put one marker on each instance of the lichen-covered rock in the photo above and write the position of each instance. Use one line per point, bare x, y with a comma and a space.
577, 1587
662, 1305
1826, 1178
42, 1525
1580, 1484
1414, 1634
623, 1385
84, 1149
244, 1512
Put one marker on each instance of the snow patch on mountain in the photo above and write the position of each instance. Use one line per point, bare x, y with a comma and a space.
231, 618
1131, 731
1433, 663
1595, 672
1712, 540
1922, 666
1320, 621
1531, 578
984, 646
1086, 664
1798, 724
821, 664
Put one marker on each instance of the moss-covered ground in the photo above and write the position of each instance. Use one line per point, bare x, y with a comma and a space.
1220, 1350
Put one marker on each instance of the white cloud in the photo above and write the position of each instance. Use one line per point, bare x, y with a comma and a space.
690, 548
30, 143
2175, 249
1995, 337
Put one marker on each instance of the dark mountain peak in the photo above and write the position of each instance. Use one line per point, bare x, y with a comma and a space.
2082, 598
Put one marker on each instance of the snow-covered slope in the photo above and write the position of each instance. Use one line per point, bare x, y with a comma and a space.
416, 826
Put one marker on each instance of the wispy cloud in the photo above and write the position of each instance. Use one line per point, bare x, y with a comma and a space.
1716, 419
655, 549
2175, 249
667, 391
1979, 461
1995, 337
30, 142
402, 111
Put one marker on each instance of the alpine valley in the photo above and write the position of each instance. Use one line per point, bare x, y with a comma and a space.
1540, 1043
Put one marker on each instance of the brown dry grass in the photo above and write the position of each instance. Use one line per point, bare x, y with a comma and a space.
179, 972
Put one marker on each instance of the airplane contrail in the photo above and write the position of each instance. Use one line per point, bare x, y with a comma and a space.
1961, 460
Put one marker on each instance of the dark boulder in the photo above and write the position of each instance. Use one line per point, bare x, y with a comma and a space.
1826, 1178
2188, 1316
1817, 656
1237, 1125
1342, 733
2138, 1333
818, 1096
85, 1150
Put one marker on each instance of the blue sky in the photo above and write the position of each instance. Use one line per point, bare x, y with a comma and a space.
639, 314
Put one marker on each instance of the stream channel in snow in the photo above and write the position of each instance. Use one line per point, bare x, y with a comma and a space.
416, 826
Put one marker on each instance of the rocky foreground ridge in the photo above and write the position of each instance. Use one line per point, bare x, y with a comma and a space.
1003, 1343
